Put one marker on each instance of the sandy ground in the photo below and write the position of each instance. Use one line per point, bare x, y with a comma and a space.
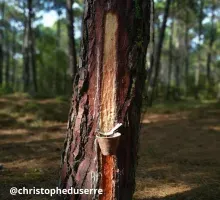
179, 150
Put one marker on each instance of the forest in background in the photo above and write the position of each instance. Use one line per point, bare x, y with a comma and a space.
183, 58
34, 57
38, 62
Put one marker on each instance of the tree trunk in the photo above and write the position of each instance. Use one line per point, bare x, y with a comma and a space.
58, 29
29, 53
198, 67
177, 79
211, 42
159, 49
187, 53
26, 70
7, 60
33, 60
13, 58
107, 90
1, 42
170, 61
152, 46
56, 83
31, 46
71, 44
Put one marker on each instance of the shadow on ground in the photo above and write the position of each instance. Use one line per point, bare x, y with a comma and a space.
179, 156
31, 140
179, 150
205, 192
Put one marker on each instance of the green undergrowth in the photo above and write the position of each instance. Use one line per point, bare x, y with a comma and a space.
168, 107
21, 110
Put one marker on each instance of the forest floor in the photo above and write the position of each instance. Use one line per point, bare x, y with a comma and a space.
179, 148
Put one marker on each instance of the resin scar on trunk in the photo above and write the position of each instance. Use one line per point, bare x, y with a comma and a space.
108, 98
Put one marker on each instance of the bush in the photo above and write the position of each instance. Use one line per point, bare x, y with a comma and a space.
5, 90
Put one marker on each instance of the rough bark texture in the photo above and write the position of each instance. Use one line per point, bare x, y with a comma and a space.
70, 29
107, 90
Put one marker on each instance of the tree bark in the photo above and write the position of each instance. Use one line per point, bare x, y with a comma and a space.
159, 49
1, 42
71, 44
107, 90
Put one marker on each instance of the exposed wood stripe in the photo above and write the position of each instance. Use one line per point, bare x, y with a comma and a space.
108, 99
108, 90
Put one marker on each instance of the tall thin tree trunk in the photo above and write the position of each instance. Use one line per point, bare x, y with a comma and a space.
7, 60
170, 60
31, 46
178, 61
187, 53
211, 42
152, 45
198, 67
26, 70
159, 49
56, 83
33, 61
1, 42
107, 90
13, 58
177, 79
42, 64
29, 52
71, 44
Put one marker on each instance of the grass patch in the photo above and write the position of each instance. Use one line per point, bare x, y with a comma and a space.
168, 107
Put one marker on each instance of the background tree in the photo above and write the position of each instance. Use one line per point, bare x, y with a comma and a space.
198, 66
48, 63
212, 38
1, 41
170, 60
70, 28
159, 49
